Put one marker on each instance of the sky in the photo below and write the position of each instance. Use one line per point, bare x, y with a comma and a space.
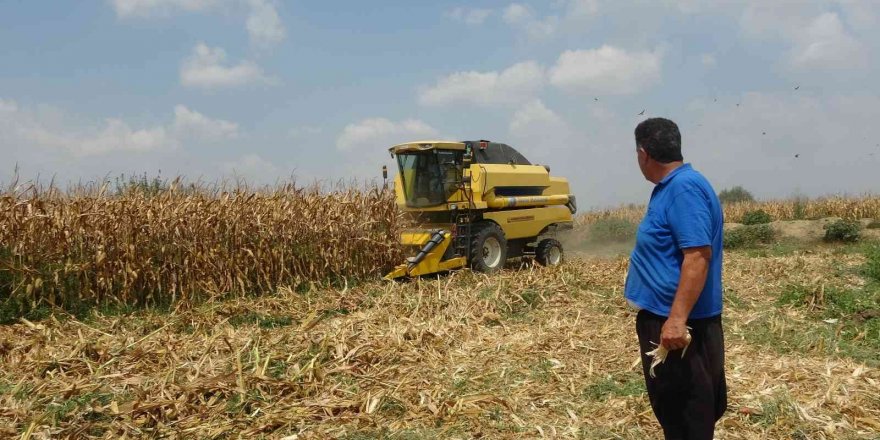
778, 96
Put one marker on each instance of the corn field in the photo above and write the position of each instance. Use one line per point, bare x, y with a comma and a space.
852, 208
154, 245
144, 247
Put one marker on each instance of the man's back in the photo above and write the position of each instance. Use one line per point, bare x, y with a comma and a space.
684, 212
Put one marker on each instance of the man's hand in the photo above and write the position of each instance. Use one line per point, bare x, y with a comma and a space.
673, 335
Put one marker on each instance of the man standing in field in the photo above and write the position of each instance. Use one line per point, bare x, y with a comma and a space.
674, 280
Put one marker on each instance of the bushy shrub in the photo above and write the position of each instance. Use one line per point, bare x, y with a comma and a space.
141, 185
612, 230
750, 235
735, 195
799, 211
846, 231
757, 217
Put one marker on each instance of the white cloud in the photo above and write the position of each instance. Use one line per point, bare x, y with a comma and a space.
469, 16
196, 125
380, 132
541, 134
571, 16
531, 114
579, 9
516, 13
515, 84
119, 136
606, 70
826, 44
524, 18
263, 24
816, 36
206, 68
55, 130
114, 135
135, 8
253, 168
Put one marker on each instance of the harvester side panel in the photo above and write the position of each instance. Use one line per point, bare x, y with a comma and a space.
558, 185
485, 177
529, 222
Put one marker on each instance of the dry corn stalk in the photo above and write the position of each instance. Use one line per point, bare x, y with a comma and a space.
852, 208
658, 354
135, 246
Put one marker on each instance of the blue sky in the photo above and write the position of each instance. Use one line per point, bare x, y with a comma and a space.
262, 89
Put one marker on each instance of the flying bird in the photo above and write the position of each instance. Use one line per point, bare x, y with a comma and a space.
643, 112
715, 100
596, 99
797, 87
737, 104
763, 132
797, 156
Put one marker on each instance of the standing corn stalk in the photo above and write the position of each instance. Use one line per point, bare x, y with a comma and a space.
86, 245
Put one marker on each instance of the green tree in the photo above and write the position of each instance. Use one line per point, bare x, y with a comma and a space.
735, 195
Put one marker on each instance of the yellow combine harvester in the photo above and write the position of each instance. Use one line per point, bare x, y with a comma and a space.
478, 203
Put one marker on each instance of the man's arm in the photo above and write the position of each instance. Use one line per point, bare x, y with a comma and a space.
694, 269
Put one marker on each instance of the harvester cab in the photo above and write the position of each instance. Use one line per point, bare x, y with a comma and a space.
477, 203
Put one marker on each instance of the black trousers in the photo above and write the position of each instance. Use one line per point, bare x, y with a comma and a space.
688, 395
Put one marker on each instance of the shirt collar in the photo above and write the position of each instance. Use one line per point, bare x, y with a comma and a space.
674, 173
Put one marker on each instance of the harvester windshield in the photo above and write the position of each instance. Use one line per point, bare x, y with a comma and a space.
429, 177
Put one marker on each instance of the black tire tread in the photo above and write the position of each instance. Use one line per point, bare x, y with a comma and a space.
542, 251
481, 231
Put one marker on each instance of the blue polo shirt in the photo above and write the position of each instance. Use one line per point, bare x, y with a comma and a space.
684, 212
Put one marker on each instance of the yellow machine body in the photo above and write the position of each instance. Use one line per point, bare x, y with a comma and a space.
522, 199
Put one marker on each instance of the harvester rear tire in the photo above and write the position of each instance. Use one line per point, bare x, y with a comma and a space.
549, 252
488, 248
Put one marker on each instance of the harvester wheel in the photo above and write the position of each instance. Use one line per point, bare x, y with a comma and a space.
488, 248
549, 252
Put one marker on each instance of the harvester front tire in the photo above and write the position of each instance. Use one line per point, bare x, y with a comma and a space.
488, 248
549, 252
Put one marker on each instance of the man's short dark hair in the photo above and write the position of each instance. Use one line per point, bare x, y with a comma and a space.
660, 138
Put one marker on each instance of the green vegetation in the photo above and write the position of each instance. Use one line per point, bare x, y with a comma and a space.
61, 411
141, 185
840, 321
625, 384
845, 231
775, 407
611, 230
748, 236
756, 217
263, 321
875, 224
872, 265
799, 211
735, 195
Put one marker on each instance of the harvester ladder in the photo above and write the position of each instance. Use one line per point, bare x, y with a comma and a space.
463, 221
